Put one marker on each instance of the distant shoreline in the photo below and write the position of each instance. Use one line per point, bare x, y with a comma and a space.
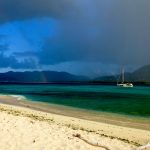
73, 83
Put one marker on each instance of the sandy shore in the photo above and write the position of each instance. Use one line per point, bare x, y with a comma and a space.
108, 118
27, 129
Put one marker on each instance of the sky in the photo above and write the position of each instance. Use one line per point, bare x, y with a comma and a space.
84, 37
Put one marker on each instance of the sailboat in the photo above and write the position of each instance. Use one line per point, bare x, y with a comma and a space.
123, 84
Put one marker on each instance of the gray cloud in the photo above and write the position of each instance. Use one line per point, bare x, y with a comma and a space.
111, 32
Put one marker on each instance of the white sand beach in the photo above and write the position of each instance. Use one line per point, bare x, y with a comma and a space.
26, 129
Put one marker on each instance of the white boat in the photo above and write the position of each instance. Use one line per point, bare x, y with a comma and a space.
123, 84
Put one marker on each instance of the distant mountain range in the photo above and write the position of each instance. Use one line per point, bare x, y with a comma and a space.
40, 77
140, 75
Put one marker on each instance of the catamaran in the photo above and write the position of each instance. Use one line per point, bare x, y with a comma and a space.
123, 84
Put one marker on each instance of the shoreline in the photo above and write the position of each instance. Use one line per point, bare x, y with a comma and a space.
102, 117
125, 138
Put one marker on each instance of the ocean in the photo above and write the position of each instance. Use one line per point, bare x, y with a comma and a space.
112, 99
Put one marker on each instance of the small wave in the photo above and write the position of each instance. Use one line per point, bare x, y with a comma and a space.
19, 97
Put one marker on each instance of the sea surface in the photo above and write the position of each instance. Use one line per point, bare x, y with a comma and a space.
112, 99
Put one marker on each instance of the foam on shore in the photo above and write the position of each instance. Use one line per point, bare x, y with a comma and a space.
18, 97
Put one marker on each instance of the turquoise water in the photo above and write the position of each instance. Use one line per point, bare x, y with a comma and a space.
129, 101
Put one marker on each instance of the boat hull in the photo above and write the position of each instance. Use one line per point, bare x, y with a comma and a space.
125, 85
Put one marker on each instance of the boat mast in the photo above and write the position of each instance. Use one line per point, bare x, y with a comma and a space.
122, 75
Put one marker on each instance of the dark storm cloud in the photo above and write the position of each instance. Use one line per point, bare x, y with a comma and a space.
12, 62
3, 46
11, 10
108, 31
119, 35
